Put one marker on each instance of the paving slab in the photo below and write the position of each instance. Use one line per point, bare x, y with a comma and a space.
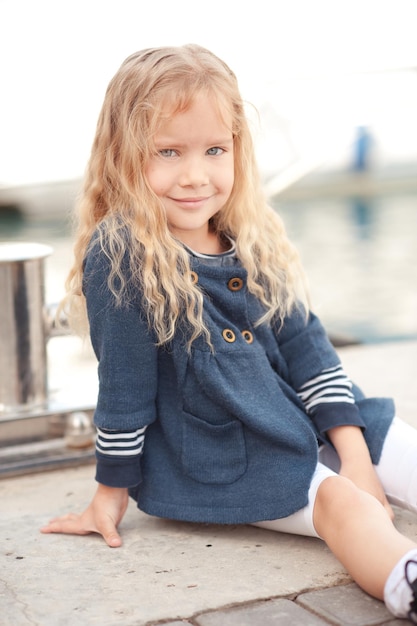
281, 612
179, 573
346, 605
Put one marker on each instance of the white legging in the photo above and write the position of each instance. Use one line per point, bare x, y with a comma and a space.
397, 471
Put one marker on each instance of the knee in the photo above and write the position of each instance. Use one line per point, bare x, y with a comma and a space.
337, 498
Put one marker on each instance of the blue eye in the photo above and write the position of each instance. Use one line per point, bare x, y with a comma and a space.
168, 152
215, 151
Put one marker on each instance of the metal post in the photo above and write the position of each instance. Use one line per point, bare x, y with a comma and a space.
23, 335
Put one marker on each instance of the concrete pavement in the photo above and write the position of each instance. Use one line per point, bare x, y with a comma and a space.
185, 574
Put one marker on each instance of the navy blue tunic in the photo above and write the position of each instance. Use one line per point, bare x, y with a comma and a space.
228, 438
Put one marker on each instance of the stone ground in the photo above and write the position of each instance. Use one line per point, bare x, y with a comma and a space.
185, 574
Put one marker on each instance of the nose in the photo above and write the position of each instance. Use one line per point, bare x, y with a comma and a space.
194, 172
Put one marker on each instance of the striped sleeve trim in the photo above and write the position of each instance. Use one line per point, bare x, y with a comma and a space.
112, 443
331, 385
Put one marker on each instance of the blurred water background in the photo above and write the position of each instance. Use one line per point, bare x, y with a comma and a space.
360, 256
335, 85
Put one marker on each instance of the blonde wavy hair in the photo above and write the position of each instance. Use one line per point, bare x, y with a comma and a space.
150, 86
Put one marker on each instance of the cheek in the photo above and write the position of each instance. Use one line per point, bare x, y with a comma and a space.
229, 182
229, 176
147, 171
155, 179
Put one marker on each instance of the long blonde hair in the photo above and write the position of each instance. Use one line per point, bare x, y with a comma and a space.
149, 86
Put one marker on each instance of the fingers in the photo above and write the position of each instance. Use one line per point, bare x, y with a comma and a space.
67, 524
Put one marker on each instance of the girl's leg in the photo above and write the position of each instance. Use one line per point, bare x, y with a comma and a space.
397, 468
301, 522
359, 532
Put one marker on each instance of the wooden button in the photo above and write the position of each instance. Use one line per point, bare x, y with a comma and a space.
235, 284
194, 277
247, 336
229, 335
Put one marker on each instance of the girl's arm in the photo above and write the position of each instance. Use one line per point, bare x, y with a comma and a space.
315, 372
127, 371
356, 463
125, 407
332, 388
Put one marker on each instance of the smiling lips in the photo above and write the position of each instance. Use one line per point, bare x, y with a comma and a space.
190, 202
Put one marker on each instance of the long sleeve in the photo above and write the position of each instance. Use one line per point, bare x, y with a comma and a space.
127, 371
316, 374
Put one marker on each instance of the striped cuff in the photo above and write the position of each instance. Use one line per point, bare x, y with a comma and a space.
329, 387
112, 443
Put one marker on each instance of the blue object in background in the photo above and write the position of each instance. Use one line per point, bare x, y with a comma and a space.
362, 149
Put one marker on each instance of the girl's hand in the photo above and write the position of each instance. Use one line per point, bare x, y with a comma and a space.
356, 463
362, 473
102, 516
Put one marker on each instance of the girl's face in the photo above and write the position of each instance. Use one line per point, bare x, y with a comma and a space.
192, 171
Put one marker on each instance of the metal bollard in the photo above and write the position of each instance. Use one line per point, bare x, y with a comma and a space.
23, 333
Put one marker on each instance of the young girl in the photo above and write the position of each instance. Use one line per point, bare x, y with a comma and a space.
220, 397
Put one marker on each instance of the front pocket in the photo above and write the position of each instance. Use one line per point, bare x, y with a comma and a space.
213, 453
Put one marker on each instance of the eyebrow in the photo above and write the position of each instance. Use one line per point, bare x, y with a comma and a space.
167, 141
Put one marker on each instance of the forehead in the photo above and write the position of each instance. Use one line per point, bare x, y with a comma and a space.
203, 111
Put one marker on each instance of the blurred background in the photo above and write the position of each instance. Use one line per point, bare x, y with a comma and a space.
334, 84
